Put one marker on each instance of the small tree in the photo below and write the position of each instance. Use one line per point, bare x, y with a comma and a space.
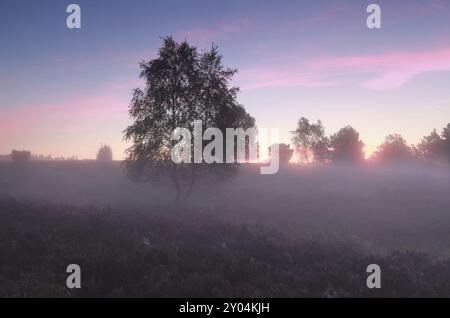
346, 146
105, 154
285, 153
430, 148
435, 147
393, 150
20, 156
446, 142
310, 141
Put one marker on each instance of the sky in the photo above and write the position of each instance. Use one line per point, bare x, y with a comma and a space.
65, 91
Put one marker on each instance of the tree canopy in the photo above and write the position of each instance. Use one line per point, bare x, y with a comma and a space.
393, 150
346, 147
182, 85
435, 147
310, 141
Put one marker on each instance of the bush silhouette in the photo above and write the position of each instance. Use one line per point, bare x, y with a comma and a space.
393, 150
20, 156
285, 153
105, 154
346, 146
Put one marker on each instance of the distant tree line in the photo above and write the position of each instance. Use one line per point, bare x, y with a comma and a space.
104, 154
313, 146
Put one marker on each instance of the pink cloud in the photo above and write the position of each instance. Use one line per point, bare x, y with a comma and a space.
432, 6
389, 70
126, 84
322, 16
281, 76
381, 72
75, 114
210, 33
439, 5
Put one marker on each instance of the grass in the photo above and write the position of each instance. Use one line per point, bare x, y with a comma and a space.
181, 253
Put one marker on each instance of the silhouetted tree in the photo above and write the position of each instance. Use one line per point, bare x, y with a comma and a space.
310, 141
104, 154
446, 142
285, 153
346, 146
182, 86
434, 147
446, 132
430, 148
393, 150
20, 156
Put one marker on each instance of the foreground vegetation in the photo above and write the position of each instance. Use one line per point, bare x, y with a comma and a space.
188, 255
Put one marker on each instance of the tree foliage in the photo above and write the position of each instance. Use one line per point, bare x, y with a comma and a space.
310, 141
346, 147
446, 142
434, 147
393, 150
182, 85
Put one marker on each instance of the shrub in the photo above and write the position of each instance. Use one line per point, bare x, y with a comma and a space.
20, 156
105, 154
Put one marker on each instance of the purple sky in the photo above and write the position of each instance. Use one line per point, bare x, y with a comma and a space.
64, 92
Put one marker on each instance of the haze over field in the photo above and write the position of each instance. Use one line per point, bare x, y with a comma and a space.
383, 207
252, 236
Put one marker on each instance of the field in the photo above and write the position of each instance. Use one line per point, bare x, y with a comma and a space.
304, 232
